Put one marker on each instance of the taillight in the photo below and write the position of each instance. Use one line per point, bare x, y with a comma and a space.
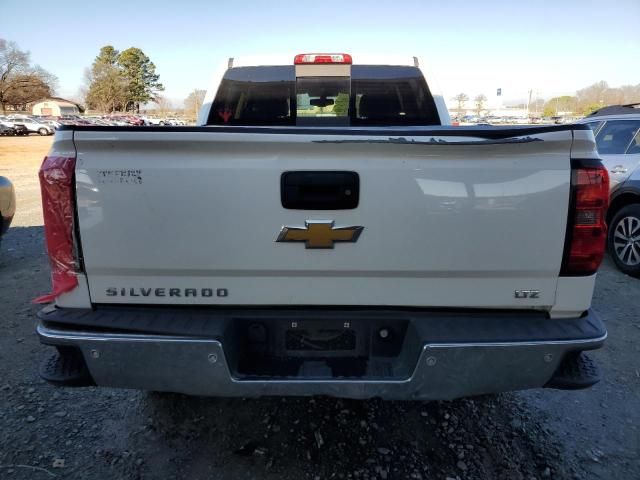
586, 228
57, 186
314, 58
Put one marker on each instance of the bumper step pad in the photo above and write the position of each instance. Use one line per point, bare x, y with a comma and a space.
576, 371
65, 367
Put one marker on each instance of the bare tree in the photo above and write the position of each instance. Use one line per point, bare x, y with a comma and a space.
12, 61
193, 103
480, 100
630, 93
592, 97
461, 99
26, 88
164, 105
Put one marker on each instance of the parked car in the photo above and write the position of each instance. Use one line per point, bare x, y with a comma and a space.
7, 205
9, 129
343, 253
153, 121
52, 123
33, 126
617, 132
6, 128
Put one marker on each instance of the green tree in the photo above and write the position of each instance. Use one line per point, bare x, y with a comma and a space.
108, 56
565, 103
341, 105
107, 90
588, 108
143, 83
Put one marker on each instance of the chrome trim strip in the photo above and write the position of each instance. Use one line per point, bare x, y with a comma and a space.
517, 344
80, 335
45, 332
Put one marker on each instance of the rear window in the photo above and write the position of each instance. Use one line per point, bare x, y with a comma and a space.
372, 95
384, 95
616, 136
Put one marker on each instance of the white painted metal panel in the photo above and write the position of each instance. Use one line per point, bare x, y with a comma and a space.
444, 224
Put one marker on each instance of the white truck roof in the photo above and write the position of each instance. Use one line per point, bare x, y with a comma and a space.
287, 59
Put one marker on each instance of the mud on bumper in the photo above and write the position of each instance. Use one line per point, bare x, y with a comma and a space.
358, 353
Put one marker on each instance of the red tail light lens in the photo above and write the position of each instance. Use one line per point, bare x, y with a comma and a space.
314, 58
57, 186
587, 228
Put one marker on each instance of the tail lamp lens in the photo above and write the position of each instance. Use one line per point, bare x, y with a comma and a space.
587, 228
57, 188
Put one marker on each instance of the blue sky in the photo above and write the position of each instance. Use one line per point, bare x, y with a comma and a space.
552, 47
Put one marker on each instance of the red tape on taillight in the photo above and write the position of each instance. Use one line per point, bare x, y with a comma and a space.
586, 228
57, 187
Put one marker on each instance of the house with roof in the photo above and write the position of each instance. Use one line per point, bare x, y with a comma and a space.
55, 107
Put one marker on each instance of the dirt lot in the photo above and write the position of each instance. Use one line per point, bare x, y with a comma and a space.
20, 159
101, 433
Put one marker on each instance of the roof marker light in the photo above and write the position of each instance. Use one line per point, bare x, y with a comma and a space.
315, 58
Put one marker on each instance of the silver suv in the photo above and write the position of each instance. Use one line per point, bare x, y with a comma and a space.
617, 132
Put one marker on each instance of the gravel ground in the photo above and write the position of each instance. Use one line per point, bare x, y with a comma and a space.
47, 432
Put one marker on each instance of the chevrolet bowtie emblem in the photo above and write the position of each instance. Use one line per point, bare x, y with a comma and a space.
319, 234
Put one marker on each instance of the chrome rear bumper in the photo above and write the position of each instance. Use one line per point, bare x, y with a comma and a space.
199, 366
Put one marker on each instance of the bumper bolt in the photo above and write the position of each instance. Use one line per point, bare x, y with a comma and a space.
384, 333
548, 357
213, 358
431, 361
94, 354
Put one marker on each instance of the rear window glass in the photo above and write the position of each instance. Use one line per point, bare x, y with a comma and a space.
385, 95
322, 100
616, 136
595, 126
372, 95
255, 96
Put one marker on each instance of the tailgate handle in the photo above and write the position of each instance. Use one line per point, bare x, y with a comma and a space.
324, 190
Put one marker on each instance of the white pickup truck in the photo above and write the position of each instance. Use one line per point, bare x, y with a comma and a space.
323, 231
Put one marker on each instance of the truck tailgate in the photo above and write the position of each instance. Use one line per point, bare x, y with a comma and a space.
191, 217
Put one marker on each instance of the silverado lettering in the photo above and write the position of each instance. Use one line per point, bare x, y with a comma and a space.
163, 292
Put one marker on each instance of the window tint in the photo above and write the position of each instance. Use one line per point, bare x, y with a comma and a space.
384, 95
634, 148
255, 96
322, 100
616, 135
373, 95
595, 126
